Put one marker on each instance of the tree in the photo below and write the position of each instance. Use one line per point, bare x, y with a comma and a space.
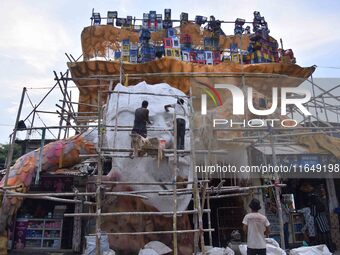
4, 152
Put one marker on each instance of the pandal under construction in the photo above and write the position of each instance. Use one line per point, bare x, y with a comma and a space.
130, 190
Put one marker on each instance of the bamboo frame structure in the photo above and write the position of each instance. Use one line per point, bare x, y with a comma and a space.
201, 190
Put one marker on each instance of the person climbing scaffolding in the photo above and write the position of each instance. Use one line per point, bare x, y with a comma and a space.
180, 121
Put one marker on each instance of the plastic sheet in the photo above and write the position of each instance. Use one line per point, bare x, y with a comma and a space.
311, 250
159, 247
273, 248
91, 245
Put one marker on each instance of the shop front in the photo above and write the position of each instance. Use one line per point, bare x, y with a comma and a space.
40, 224
306, 194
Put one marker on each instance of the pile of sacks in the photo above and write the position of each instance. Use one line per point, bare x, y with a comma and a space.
273, 248
209, 250
155, 248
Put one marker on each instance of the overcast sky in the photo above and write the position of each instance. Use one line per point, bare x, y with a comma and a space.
35, 34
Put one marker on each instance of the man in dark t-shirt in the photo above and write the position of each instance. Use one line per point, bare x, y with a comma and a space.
141, 118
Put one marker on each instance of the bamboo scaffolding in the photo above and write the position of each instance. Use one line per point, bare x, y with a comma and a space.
63, 200
198, 223
196, 74
165, 232
13, 136
99, 178
200, 197
174, 176
222, 190
147, 183
37, 195
230, 195
264, 129
169, 213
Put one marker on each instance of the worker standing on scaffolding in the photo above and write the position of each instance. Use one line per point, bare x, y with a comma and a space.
139, 124
141, 118
180, 121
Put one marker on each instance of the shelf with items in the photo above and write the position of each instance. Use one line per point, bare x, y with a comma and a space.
274, 225
40, 233
55, 233
297, 221
35, 224
34, 233
52, 243
35, 243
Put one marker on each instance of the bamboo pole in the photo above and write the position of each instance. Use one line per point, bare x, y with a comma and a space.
42, 143
230, 195
68, 194
209, 219
162, 232
198, 224
14, 134
169, 213
67, 98
116, 122
76, 235
277, 193
146, 183
128, 193
194, 74
63, 200
29, 132
206, 186
40, 102
62, 107
219, 152
264, 129
11, 187
174, 176
225, 190
99, 178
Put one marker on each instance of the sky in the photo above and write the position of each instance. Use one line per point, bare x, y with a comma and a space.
35, 34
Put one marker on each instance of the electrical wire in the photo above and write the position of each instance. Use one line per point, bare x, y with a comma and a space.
329, 67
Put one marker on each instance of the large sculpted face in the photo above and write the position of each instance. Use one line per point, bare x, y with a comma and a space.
120, 111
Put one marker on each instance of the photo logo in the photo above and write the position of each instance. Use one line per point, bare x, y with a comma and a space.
214, 96
238, 99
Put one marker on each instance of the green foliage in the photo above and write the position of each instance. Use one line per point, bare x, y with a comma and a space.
4, 151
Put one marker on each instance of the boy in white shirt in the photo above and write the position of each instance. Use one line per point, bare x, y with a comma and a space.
256, 226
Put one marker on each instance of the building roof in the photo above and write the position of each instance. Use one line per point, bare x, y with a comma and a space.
282, 149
